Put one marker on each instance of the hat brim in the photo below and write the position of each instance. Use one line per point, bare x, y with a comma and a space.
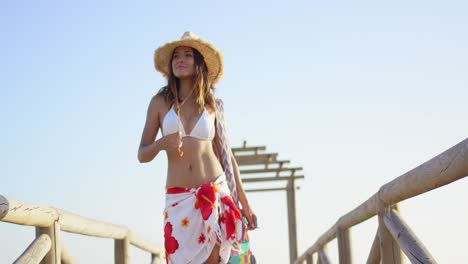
212, 56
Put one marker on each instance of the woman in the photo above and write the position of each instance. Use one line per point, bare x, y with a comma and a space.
201, 221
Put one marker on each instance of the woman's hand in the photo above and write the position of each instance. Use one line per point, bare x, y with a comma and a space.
172, 142
251, 217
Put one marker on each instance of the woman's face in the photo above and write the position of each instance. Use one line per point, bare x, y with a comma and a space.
183, 62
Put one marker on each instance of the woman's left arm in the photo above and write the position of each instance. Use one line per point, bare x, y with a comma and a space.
249, 213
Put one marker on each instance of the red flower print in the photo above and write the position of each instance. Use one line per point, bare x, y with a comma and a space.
230, 217
176, 190
221, 219
167, 230
174, 204
227, 200
230, 222
205, 198
170, 243
201, 239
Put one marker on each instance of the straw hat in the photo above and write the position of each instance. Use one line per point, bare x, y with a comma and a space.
213, 57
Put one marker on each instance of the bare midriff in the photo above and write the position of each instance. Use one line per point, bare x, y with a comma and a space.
198, 164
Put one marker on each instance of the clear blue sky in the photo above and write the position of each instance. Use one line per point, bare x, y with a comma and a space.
356, 92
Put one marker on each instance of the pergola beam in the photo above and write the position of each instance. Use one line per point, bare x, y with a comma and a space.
253, 171
267, 159
270, 189
258, 159
256, 148
264, 179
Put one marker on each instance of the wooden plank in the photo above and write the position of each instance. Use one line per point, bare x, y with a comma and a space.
291, 200
35, 251
374, 254
22, 213
406, 239
269, 170
46, 218
279, 163
323, 257
269, 189
266, 190
263, 179
344, 245
244, 149
256, 159
121, 253
140, 242
441, 170
77, 224
157, 259
323, 239
447, 167
309, 259
53, 232
389, 250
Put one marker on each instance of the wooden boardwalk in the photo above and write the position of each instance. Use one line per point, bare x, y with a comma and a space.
393, 236
47, 248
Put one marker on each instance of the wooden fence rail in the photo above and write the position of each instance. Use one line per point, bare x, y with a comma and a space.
441, 170
49, 221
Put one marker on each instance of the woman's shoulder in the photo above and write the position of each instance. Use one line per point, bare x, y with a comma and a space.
158, 102
158, 98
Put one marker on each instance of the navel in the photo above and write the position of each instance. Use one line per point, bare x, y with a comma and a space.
190, 167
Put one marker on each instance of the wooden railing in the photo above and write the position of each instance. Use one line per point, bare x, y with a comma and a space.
393, 234
49, 221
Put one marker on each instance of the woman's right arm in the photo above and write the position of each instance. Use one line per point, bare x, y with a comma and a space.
149, 148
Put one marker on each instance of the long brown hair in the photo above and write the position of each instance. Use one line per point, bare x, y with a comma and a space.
202, 84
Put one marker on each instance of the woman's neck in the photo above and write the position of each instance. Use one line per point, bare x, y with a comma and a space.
185, 89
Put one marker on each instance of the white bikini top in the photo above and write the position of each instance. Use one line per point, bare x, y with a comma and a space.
204, 129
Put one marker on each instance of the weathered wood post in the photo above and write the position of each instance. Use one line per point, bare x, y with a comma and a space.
291, 198
309, 259
344, 245
156, 259
36, 250
407, 240
322, 256
53, 231
121, 250
389, 250
374, 254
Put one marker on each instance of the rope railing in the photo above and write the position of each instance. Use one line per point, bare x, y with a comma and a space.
49, 221
393, 233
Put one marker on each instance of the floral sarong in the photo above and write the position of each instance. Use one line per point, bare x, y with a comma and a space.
195, 219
